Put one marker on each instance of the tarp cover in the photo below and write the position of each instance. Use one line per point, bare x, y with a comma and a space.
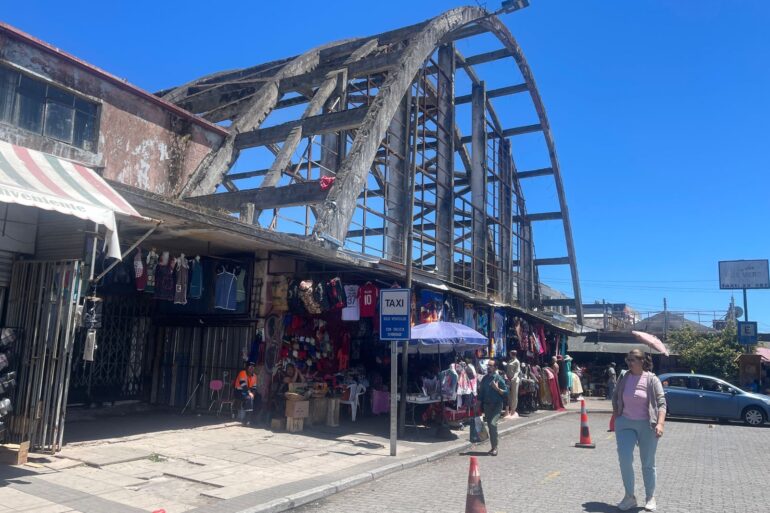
36, 179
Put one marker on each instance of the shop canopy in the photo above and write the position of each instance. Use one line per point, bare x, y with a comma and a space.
442, 337
35, 179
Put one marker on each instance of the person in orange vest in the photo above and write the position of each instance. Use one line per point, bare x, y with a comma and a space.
246, 384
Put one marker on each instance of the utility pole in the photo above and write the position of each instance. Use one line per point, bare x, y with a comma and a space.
604, 313
665, 319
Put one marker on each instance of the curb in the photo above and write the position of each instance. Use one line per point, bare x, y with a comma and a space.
323, 491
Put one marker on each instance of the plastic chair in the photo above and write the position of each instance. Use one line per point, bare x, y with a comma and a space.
215, 392
356, 391
226, 398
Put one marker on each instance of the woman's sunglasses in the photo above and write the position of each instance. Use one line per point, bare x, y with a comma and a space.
631, 359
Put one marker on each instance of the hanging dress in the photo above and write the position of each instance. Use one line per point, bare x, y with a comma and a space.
182, 277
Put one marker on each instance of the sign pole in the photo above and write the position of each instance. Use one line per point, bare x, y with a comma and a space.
395, 310
393, 396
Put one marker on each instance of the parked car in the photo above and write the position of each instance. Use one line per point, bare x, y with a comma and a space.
696, 395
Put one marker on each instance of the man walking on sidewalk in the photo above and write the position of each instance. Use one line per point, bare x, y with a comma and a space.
491, 394
612, 379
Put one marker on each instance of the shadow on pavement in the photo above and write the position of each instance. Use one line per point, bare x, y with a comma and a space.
9, 474
105, 426
599, 507
475, 453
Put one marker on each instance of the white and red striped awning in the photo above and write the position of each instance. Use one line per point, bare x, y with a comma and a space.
36, 179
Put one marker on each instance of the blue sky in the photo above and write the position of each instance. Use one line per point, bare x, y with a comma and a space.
659, 110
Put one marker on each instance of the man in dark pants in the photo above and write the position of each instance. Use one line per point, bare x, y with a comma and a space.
492, 396
251, 402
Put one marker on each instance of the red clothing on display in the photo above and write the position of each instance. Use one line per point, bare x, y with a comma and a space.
367, 300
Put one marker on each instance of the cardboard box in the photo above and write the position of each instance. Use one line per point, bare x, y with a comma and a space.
14, 454
294, 425
318, 409
297, 409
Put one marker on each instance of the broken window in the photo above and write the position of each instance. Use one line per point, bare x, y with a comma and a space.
9, 79
48, 110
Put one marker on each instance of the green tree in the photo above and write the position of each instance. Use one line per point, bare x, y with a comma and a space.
708, 353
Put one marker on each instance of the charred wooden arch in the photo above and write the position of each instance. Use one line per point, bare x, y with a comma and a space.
372, 119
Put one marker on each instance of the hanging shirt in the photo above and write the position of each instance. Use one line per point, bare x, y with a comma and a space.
240, 288
225, 291
367, 300
196, 280
351, 312
182, 278
469, 316
152, 266
482, 320
164, 282
140, 271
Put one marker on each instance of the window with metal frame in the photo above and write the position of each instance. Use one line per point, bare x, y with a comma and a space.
45, 109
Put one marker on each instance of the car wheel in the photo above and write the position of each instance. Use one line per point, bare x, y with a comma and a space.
753, 416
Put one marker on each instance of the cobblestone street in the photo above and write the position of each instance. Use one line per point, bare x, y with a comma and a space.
702, 467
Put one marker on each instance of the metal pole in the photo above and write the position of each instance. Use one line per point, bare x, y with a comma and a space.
393, 396
409, 225
745, 306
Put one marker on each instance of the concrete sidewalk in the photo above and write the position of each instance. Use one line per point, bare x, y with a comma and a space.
222, 467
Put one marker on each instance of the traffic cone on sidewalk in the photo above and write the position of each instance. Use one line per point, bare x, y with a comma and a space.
585, 435
612, 424
474, 501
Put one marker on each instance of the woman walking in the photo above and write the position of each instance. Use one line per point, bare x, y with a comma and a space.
640, 408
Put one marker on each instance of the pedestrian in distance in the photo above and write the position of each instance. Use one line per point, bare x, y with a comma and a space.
492, 397
640, 410
612, 379
512, 379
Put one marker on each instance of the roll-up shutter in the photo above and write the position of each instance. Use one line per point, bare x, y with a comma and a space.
60, 237
6, 263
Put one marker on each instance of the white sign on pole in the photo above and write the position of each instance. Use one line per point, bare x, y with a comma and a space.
744, 274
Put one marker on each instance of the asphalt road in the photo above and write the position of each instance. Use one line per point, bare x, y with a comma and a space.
702, 467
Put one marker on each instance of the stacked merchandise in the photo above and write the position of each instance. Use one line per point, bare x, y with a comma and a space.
7, 375
316, 318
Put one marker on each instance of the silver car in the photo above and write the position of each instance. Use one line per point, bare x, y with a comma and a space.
696, 395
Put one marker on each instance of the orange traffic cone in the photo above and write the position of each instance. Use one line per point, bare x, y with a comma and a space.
585, 435
612, 424
474, 501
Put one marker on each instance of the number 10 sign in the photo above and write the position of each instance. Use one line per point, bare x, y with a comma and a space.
395, 309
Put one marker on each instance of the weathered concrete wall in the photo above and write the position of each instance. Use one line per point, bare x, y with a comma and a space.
141, 143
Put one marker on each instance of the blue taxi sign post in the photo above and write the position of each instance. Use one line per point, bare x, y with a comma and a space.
395, 325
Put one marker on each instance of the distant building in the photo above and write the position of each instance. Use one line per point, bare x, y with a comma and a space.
665, 322
609, 316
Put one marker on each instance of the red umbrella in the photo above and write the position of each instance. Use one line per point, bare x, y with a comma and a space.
651, 341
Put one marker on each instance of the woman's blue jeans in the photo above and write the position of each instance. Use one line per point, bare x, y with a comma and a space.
628, 434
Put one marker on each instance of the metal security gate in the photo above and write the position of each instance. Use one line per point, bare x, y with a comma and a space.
42, 304
122, 361
190, 355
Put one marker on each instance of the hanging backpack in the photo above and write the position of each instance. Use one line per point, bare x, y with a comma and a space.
336, 293
306, 295
292, 298
320, 297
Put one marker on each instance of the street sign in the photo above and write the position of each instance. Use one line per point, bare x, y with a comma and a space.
744, 274
395, 309
747, 332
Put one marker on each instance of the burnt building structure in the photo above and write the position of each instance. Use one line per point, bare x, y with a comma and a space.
377, 154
